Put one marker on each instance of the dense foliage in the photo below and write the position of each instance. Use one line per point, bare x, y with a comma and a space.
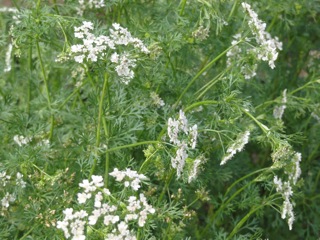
158, 119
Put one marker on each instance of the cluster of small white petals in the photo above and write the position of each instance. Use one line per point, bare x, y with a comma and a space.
94, 48
115, 217
194, 170
6, 200
8, 59
315, 116
21, 140
4, 178
156, 100
296, 170
284, 188
124, 65
175, 127
179, 161
268, 50
8, 9
91, 4
201, 33
19, 180
234, 56
237, 146
279, 110
73, 224
139, 209
131, 178
122, 232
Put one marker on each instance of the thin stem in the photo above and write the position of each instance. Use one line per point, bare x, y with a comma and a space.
103, 92
263, 127
197, 104
107, 128
202, 71
183, 4
166, 185
131, 145
233, 9
243, 220
243, 178
225, 203
47, 90
29, 80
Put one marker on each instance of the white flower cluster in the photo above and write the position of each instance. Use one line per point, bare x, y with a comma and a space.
269, 46
194, 170
8, 59
7, 9
174, 128
201, 33
95, 48
115, 214
84, 4
279, 110
156, 100
246, 69
21, 140
131, 178
286, 192
236, 146
4, 181
293, 171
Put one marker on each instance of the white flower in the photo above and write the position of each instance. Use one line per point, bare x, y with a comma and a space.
193, 136
279, 110
268, 45
119, 175
8, 59
83, 197
156, 100
179, 161
236, 146
194, 170
21, 140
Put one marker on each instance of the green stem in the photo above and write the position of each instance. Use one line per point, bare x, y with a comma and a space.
243, 220
197, 104
29, 80
28, 232
225, 203
202, 71
107, 128
55, 7
103, 92
183, 4
304, 86
131, 145
232, 10
263, 127
166, 185
208, 85
47, 90
16, 5
243, 178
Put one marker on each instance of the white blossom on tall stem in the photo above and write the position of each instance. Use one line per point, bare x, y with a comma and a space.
181, 136
268, 50
236, 146
8, 59
94, 48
